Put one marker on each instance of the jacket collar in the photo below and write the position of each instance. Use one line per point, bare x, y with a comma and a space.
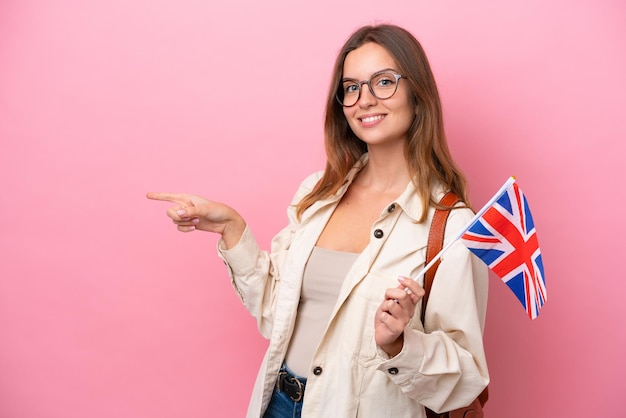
409, 201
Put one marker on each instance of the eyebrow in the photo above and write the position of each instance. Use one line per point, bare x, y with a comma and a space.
376, 73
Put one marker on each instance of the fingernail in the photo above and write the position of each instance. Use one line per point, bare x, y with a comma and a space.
180, 212
401, 279
195, 220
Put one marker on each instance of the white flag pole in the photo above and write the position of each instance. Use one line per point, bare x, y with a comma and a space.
472, 221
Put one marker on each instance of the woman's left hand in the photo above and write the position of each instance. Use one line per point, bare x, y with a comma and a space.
394, 313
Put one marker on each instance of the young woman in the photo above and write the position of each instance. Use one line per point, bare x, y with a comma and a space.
346, 339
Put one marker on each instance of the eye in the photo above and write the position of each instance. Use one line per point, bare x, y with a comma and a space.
350, 88
384, 80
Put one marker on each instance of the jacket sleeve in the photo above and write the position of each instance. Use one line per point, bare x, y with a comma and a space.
255, 273
443, 365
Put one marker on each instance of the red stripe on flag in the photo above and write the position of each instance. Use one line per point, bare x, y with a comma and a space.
523, 249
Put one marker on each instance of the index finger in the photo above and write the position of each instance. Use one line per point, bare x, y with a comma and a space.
166, 197
411, 286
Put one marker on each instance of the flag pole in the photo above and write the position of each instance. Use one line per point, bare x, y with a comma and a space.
472, 221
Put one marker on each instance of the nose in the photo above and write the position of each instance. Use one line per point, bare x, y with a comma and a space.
366, 98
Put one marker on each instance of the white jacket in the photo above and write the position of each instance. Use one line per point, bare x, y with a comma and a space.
442, 368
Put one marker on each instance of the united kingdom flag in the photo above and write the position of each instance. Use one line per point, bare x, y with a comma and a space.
505, 239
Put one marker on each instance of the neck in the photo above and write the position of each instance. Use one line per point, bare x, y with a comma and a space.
385, 171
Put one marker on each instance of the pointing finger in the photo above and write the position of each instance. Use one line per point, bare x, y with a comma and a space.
167, 197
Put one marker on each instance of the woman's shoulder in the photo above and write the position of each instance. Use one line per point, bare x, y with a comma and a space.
307, 185
311, 180
461, 214
459, 217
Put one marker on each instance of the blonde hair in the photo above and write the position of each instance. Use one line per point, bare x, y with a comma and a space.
426, 150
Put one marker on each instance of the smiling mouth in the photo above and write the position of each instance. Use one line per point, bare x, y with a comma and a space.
370, 119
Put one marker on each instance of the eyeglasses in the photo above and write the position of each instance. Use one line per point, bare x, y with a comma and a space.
382, 85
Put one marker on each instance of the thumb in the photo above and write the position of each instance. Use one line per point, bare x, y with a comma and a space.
185, 212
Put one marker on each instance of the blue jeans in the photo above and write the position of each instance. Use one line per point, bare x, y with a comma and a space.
281, 405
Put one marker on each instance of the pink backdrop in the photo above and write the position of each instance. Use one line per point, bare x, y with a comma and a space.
107, 311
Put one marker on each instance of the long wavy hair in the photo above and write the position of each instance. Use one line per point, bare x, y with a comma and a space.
426, 149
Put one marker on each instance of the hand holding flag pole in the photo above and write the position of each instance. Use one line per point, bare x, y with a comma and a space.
502, 234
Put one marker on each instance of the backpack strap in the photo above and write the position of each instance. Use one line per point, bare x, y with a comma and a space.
435, 242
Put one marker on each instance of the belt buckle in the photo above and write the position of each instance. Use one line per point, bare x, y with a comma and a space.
292, 382
280, 379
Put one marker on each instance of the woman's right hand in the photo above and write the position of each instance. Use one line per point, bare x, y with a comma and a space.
192, 212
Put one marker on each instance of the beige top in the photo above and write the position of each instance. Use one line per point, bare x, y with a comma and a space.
323, 276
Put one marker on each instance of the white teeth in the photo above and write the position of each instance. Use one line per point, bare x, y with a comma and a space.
372, 118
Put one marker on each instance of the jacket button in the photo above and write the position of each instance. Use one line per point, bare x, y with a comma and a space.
317, 371
378, 233
391, 208
393, 370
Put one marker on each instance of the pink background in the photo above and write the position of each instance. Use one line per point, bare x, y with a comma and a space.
107, 311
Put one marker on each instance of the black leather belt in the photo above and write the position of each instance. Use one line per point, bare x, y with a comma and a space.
291, 385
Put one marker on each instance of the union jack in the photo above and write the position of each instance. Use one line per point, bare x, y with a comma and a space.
505, 239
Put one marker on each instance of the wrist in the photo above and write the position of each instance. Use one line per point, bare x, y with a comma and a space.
233, 231
394, 348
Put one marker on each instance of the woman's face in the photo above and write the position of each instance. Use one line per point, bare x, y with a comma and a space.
376, 121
